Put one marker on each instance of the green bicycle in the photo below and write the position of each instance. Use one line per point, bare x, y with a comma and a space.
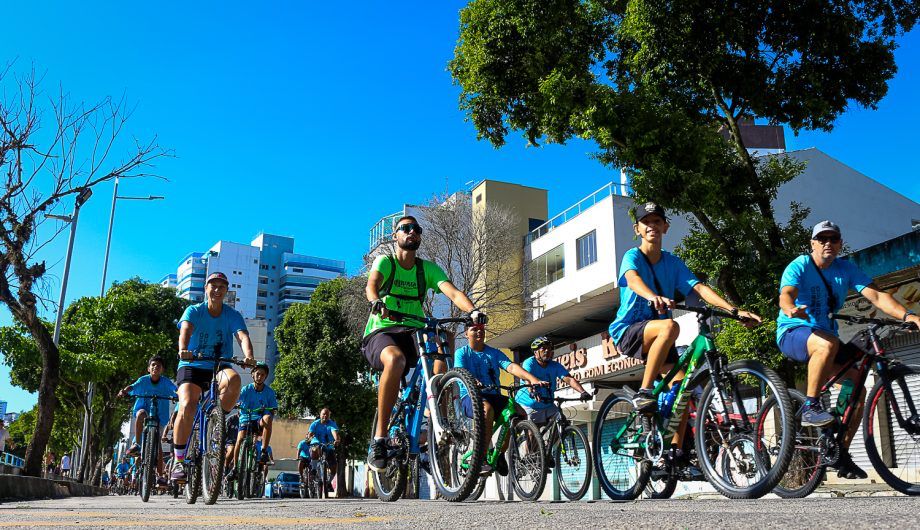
248, 473
738, 459
525, 452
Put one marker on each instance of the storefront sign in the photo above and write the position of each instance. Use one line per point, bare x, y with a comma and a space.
592, 358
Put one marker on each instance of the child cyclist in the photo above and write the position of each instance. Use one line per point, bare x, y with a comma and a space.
484, 362
152, 384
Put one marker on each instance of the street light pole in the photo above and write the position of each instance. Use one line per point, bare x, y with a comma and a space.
90, 387
81, 198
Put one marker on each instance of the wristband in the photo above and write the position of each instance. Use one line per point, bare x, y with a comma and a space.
907, 314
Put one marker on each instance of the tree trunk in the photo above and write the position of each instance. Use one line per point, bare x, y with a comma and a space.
341, 486
47, 402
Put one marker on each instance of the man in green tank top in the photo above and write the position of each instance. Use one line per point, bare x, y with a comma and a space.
399, 283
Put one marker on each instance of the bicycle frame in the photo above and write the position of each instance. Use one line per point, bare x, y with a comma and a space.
205, 404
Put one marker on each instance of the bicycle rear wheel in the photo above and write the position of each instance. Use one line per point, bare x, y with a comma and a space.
149, 462
619, 455
573, 463
528, 460
390, 484
891, 428
242, 468
212, 461
193, 469
730, 453
456, 443
805, 469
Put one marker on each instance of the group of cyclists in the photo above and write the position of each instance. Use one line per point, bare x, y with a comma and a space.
644, 328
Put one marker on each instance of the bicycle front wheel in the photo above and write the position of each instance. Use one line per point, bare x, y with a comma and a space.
193, 469
732, 456
242, 468
149, 462
573, 463
891, 428
805, 469
528, 460
212, 461
456, 443
619, 450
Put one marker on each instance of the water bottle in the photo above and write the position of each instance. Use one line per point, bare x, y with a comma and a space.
846, 390
666, 401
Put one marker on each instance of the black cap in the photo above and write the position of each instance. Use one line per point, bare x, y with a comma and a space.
649, 208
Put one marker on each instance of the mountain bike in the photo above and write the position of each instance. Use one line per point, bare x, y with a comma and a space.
890, 419
204, 457
568, 451
316, 475
248, 475
525, 453
450, 430
739, 464
150, 445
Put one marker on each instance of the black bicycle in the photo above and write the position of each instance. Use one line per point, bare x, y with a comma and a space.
150, 444
568, 451
890, 419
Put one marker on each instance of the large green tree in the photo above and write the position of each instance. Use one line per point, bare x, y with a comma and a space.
107, 341
321, 365
662, 87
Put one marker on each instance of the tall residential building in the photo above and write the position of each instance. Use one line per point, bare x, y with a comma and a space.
266, 277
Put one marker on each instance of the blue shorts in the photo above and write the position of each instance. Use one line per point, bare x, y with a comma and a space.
794, 343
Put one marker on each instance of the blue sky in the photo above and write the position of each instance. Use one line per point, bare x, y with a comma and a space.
285, 117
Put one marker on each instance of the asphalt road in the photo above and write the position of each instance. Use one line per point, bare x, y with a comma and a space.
165, 512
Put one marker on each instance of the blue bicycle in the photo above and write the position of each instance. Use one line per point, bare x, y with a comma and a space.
454, 431
150, 444
204, 458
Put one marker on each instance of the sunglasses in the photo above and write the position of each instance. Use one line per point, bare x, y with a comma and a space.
409, 227
827, 239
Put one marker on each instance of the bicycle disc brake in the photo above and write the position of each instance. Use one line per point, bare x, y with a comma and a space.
830, 450
654, 443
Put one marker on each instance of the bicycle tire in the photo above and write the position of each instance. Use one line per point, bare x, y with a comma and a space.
478, 490
659, 489
323, 494
390, 484
212, 455
148, 462
461, 428
894, 389
711, 429
805, 472
193, 478
581, 461
242, 468
622, 474
528, 459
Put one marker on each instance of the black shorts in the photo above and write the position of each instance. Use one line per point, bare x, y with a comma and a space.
631, 341
400, 336
196, 376
498, 402
255, 426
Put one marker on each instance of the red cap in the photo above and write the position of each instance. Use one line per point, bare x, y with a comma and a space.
217, 276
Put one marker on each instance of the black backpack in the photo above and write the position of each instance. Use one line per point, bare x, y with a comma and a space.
419, 281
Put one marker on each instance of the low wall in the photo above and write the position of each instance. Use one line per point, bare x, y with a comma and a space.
18, 487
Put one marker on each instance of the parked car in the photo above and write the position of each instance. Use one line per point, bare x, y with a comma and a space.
286, 485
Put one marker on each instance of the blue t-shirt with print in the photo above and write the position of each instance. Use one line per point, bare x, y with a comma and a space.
210, 332
801, 273
485, 365
673, 275
123, 469
164, 387
551, 372
251, 400
322, 432
303, 449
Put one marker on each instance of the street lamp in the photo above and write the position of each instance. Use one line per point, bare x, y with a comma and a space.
90, 387
84, 196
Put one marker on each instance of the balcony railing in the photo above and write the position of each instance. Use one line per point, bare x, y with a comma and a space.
576, 209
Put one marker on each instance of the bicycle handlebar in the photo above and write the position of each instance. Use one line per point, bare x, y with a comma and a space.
711, 311
561, 400
855, 319
150, 396
397, 316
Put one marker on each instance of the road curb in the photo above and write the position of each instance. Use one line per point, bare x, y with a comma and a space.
18, 487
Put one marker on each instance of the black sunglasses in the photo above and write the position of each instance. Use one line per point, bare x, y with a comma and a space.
827, 239
409, 227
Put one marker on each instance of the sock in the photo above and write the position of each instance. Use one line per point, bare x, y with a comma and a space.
812, 401
179, 450
380, 438
646, 390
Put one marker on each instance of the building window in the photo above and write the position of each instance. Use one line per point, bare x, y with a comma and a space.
263, 294
260, 307
479, 198
263, 280
298, 270
273, 267
586, 249
256, 261
264, 267
547, 268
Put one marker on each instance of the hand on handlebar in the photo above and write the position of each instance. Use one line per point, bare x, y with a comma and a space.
186, 355
378, 307
122, 393
478, 317
661, 304
585, 396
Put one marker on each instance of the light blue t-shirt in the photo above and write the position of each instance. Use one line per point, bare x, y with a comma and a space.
484, 365
322, 432
551, 372
842, 275
163, 388
303, 449
209, 332
673, 275
123, 469
250, 399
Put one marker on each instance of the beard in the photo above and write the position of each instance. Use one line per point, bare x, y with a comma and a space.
406, 245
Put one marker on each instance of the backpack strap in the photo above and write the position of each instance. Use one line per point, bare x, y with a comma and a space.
388, 281
420, 279
831, 297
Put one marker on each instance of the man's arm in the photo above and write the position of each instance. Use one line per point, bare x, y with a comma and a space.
637, 284
456, 296
185, 336
124, 391
712, 298
242, 336
787, 296
518, 371
572, 382
888, 304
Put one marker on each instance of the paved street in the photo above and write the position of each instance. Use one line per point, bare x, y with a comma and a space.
162, 512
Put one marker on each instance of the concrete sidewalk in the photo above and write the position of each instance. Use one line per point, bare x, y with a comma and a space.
18, 487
